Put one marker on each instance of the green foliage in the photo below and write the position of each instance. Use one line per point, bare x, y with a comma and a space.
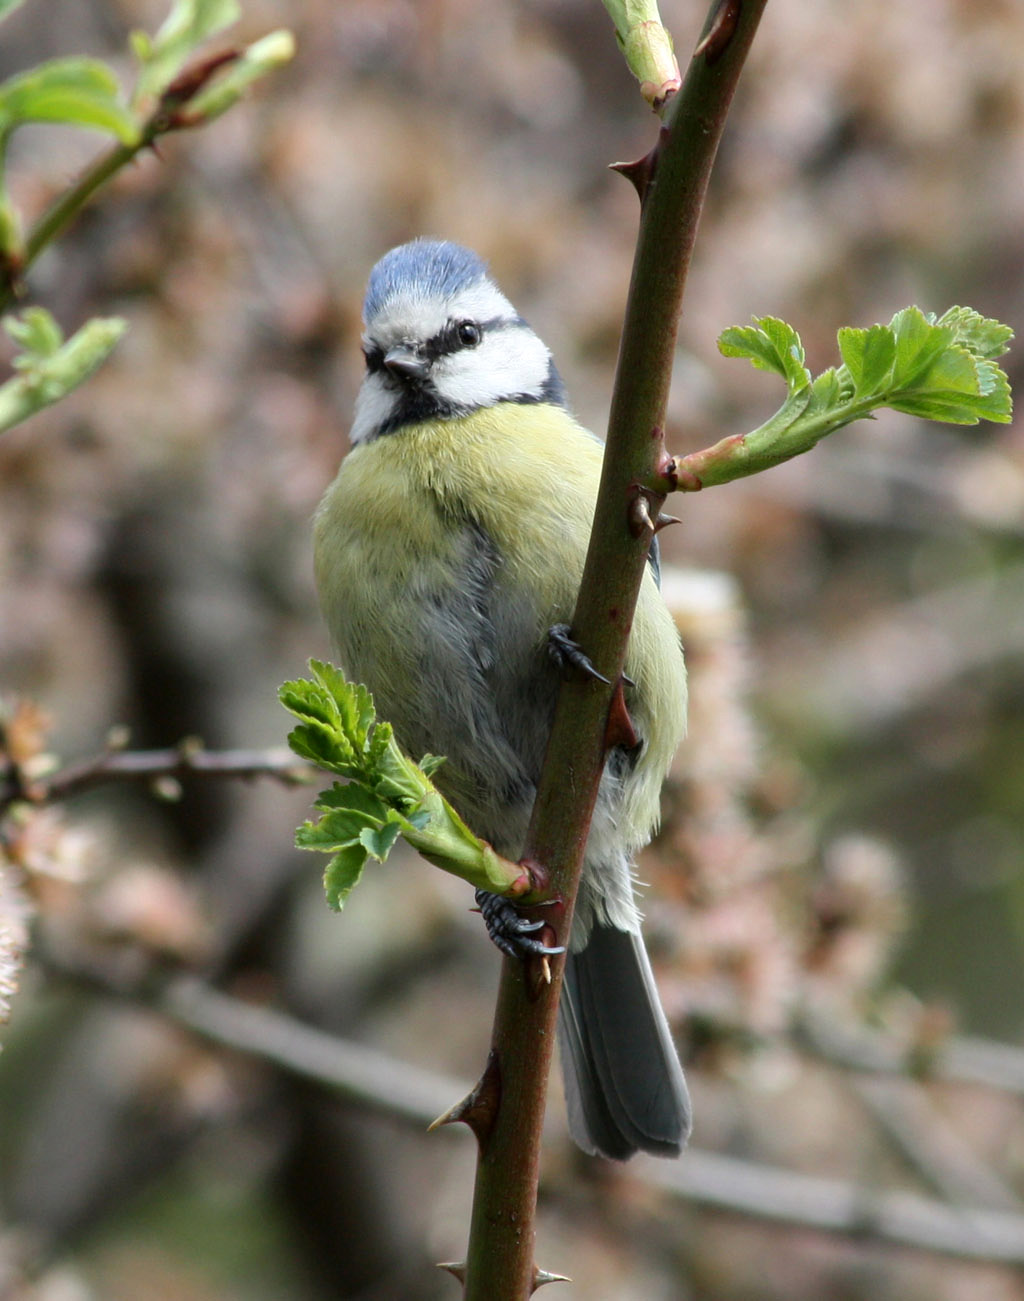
186, 27
941, 368
76, 92
385, 794
85, 93
48, 366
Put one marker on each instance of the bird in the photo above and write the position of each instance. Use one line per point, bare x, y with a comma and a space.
448, 554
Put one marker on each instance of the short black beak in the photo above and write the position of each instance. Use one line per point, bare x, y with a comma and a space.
406, 364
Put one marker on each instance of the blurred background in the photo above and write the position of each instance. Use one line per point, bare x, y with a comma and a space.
839, 883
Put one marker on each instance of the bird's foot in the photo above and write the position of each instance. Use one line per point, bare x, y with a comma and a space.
511, 932
568, 654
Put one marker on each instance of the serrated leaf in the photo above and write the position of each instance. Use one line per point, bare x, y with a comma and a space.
355, 798
978, 334
826, 391
430, 763
317, 744
770, 344
76, 92
342, 874
378, 841
919, 342
958, 389
186, 27
868, 356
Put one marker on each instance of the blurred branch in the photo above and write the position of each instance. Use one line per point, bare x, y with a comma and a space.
415, 1096
188, 759
960, 1059
835, 1206
916, 1127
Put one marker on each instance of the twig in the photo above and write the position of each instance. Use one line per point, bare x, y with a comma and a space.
916, 1127
671, 183
414, 1095
187, 759
836, 1206
960, 1059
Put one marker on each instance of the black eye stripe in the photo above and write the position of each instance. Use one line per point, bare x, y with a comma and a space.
447, 340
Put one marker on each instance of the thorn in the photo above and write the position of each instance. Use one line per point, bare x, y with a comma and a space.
542, 1276
619, 729
721, 31
640, 173
640, 522
456, 1267
538, 970
663, 521
479, 1107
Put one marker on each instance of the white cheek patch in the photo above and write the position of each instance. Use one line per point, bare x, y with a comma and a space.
508, 363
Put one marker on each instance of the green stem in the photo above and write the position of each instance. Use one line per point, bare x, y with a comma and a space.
65, 208
741, 454
499, 1265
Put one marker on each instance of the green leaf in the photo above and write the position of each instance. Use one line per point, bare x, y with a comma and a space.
378, 841
7, 7
430, 763
75, 91
919, 342
978, 334
49, 368
342, 874
185, 28
770, 344
36, 332
868, 356
387, 794
828, 390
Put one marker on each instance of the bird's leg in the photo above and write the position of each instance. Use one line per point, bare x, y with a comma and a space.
510, 931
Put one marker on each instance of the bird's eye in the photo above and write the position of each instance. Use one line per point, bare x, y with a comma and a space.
468, 333
374, 357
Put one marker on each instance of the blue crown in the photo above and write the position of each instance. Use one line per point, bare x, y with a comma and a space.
428, 267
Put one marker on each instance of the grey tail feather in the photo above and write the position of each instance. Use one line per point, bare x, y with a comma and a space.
624, 1087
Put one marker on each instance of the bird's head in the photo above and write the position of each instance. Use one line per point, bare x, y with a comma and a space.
441, 340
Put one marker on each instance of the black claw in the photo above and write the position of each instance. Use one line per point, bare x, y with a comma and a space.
564, 651
512, 933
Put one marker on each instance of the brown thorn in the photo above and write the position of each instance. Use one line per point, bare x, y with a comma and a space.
542, 1276
619, 729
640, 172
479, 1108
663, 521
456, 1267
721, 31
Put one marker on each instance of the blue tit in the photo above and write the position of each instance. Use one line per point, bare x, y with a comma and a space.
449, 545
